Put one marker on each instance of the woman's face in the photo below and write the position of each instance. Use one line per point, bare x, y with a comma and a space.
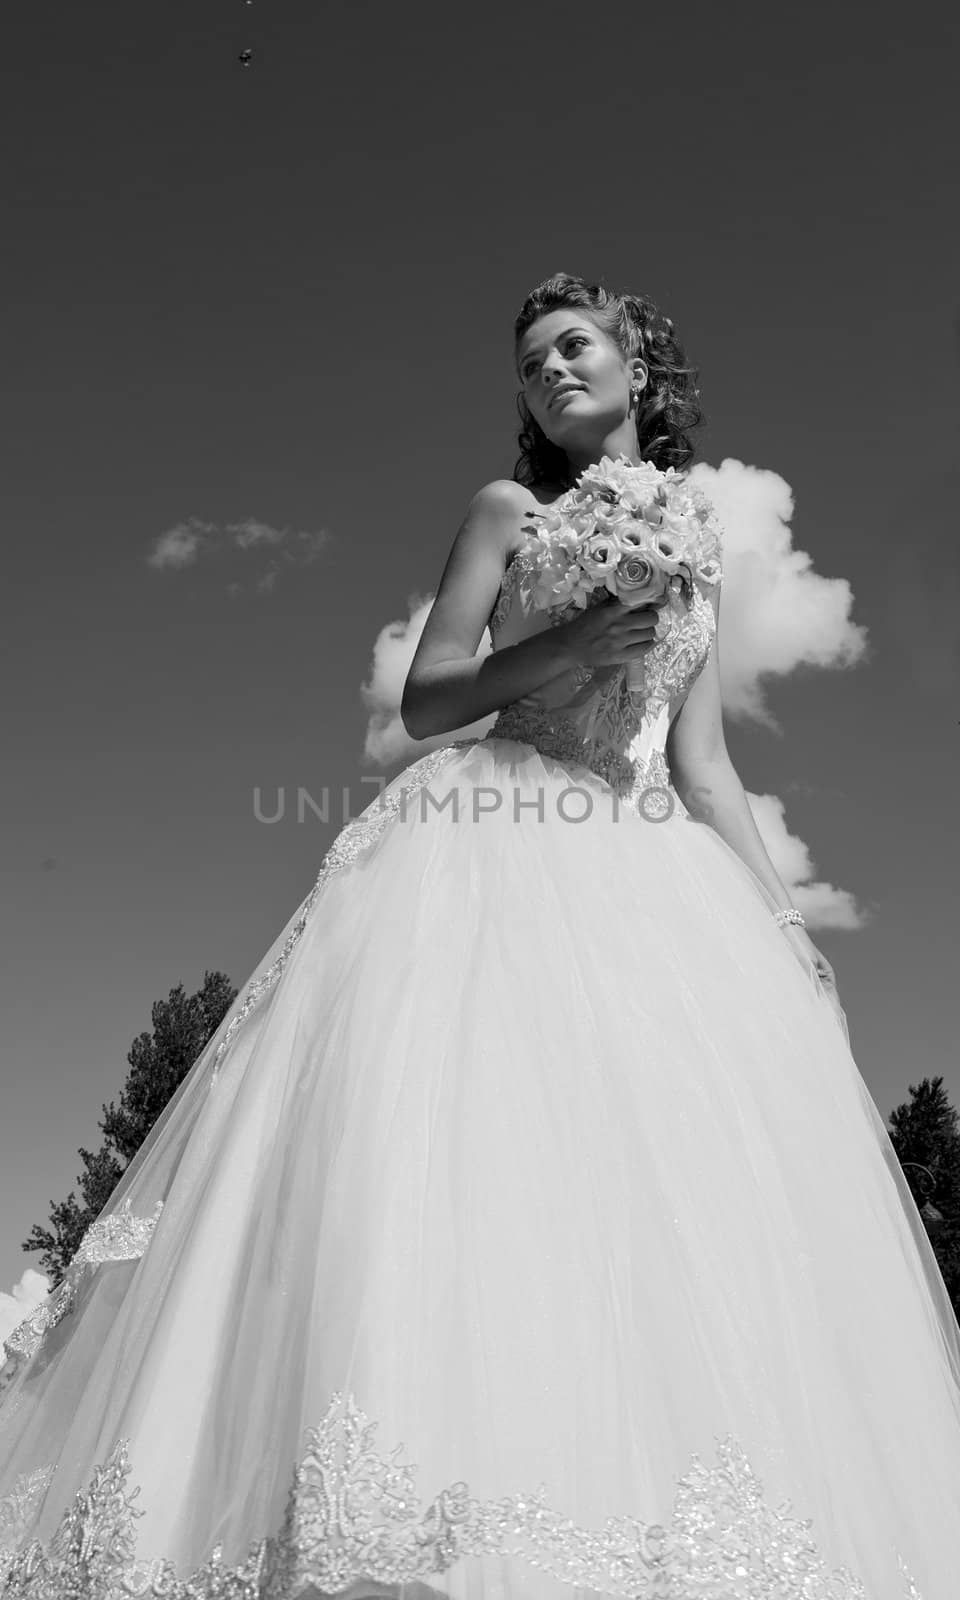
576, 381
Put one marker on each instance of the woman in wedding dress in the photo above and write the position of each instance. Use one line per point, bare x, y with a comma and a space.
527, 1230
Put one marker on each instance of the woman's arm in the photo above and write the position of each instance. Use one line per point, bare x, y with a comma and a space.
447, 686
704, 775
707, 783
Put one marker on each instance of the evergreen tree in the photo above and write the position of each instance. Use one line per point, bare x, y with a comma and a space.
182, 1026
925, 1133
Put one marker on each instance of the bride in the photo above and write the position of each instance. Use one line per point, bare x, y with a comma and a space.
528, 1229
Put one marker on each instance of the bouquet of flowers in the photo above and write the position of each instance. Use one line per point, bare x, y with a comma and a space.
637, 532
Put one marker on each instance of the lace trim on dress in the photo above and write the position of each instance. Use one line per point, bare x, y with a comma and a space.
355, 1514
357, 836
121, 1236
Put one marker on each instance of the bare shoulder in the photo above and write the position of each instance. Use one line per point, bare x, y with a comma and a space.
491, 532
501, 500
501, 508
471, 581
501, 492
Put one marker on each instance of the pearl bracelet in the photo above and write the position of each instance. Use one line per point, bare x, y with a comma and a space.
790, 915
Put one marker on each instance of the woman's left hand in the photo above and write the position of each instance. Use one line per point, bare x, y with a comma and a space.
808, 955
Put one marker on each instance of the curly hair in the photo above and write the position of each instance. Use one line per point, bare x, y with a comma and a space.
669, 404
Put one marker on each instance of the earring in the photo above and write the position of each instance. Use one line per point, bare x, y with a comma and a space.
635, 394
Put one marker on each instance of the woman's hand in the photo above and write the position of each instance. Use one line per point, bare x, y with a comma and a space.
809, 955
610, 633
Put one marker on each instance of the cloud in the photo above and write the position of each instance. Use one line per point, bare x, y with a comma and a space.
181, 545
249, 533
387, 740
822, 905
23, 1298
187, 543
776, 614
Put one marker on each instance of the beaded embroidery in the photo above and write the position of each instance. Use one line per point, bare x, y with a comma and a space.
355, 1514
19, 1508
118, 1237
644, 785
611, 746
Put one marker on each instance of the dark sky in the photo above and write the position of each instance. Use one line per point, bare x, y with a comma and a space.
282, 296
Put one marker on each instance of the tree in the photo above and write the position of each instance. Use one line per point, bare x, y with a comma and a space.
925, 1132
182, 1027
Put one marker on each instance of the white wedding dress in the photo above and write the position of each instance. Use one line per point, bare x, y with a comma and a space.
527, 1231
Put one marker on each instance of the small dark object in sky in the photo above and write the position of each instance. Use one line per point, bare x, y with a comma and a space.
245, 57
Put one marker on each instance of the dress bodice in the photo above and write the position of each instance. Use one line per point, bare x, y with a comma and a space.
590, 716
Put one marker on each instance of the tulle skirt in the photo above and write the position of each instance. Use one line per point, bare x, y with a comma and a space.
526, 1230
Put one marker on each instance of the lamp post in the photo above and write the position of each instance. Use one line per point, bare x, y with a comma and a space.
928, 1209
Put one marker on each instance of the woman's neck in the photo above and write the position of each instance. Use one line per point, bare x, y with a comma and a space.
622, 441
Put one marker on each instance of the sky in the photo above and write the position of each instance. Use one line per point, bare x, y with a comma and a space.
257, 333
